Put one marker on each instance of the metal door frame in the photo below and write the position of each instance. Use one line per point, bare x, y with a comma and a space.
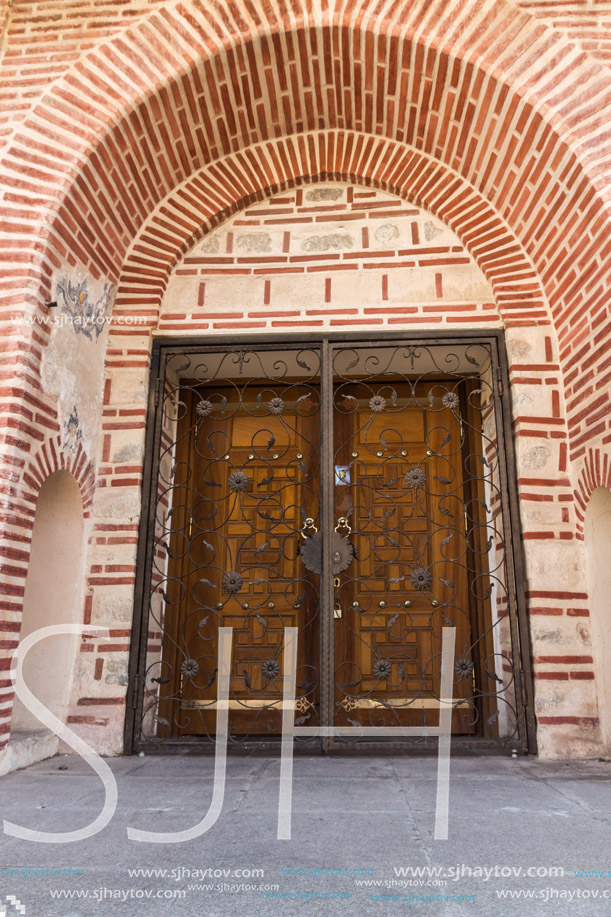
165, 348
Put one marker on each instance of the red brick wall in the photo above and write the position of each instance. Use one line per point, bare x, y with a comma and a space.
299, 262
585, 21
327, 255
129, 129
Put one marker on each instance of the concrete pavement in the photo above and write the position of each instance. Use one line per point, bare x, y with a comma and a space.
362, 839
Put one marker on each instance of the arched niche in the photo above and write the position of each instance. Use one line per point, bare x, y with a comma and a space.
598, 550
52, 596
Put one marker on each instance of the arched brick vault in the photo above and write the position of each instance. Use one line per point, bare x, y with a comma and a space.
224, 187
507, 104
83, 25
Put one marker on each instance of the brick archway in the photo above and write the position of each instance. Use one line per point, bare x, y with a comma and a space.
596, 472
51, 456
225, 187
443, 74
483, 94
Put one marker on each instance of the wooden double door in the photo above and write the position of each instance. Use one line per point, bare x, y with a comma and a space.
354, 512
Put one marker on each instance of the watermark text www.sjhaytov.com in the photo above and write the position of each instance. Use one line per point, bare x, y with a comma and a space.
84, 321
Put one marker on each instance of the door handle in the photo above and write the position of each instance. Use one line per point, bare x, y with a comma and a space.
342, 523
341, 550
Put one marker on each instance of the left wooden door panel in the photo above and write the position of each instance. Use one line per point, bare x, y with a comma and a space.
253, 479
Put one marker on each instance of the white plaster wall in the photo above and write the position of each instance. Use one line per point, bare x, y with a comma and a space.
598, 552
73, 361
52, 596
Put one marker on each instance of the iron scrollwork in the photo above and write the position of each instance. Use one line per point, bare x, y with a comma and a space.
238, 466
418, 543
415, 428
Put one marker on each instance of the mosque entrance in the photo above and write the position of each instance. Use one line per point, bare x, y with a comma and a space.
358, 490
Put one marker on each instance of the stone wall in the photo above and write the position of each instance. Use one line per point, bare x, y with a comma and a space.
331, 256
132, 131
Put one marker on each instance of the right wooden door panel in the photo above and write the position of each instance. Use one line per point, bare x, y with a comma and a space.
399, 486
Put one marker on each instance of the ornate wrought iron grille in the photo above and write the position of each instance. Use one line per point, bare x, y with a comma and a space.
361, 491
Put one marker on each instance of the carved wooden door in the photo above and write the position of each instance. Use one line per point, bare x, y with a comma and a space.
253, 479
400, 502
252, 465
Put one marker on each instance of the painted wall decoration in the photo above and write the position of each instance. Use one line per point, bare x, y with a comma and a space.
87, 316
72, 431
